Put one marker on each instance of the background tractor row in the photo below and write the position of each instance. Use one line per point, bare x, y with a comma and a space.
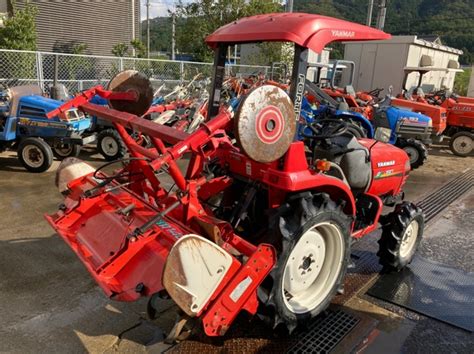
366, 113
25, 127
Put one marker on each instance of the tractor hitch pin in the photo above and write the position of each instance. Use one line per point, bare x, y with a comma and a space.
142, 229
126, 210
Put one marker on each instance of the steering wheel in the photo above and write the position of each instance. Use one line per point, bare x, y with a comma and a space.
375, 92
327, 128
439, 97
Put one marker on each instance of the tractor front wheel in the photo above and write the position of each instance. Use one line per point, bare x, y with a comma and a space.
110, 145
402, 231
462, 144
416, 151
61, 151
35, 154
312, 262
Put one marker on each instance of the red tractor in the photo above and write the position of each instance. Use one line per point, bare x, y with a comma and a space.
459, 111
460, 121
258, 222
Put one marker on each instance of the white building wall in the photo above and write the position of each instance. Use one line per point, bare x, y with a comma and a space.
377, 65
380, 64
432, 80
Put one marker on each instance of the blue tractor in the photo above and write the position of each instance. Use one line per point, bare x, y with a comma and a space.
25, 127
405, 129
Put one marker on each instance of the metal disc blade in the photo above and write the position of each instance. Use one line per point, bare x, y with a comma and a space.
265, 123
132, 80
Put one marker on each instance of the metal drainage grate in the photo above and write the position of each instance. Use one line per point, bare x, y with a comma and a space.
324, 335
436, 202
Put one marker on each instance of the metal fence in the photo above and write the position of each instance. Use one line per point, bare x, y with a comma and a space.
79, 72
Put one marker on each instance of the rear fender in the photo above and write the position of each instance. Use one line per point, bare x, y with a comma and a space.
9, 131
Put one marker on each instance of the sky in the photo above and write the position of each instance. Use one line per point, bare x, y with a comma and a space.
158, 7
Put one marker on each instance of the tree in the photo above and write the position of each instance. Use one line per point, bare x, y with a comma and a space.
198, 19
120, 50
140, 49
461, 82
19, 31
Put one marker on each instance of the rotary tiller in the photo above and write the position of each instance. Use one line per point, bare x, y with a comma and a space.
256, 223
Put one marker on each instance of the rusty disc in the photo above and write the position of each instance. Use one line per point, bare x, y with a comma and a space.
265, 124
132, 80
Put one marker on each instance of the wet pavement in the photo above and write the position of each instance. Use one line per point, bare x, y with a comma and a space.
49, 303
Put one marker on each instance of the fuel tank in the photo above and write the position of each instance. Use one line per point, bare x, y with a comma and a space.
390, 167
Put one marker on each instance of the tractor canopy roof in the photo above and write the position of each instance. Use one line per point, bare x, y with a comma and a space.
306, 30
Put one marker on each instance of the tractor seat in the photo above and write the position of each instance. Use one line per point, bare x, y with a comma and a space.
351, 156
419, 92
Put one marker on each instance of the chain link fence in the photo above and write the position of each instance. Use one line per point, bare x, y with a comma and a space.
80, 72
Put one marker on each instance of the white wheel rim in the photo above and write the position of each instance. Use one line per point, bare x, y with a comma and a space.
64, 150
412, 153
109, 146
409, 239
33, 156
463, 144
313, 267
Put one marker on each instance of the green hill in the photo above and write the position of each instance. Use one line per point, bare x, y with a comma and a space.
160, 34
452, 20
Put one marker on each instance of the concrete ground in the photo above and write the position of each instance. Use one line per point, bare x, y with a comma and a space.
49, 303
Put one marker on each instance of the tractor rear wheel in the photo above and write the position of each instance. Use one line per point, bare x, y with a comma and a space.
312, 260
402, 231
61, 151
462, 143
110, 145
35, 154
416, 151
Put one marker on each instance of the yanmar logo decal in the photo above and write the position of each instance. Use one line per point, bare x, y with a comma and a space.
342, 33
386, 163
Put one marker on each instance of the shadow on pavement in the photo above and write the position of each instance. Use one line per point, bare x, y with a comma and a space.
49, 302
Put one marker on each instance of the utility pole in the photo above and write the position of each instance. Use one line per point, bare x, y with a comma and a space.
369, 13
133, 25
173, 34
382, 14
148, 28
289, 5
